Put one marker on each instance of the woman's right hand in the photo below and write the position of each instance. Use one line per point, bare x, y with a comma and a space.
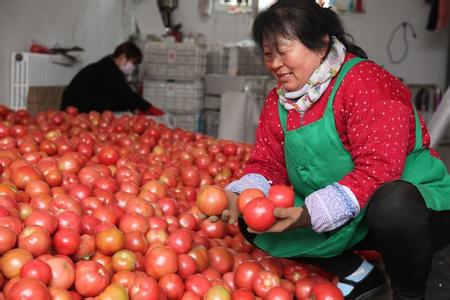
231, 213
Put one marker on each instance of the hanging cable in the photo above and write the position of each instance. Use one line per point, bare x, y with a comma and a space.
404, 26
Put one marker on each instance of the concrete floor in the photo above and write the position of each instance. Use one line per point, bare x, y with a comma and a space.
438, 286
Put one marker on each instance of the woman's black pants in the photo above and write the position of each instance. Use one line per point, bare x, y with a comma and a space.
402, 229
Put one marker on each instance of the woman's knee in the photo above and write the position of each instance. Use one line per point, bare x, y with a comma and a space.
396, 202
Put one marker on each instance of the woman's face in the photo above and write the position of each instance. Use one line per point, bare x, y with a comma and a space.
291, 62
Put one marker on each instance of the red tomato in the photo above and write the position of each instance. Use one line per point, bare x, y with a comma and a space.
258, 214
303, 288
220, 259
246, 196
66, 241
63, 273
246, 273
197, 284
91, 278
200, 255
212, 200
326, 291
295, 272
108, 155
44, 219
243, 294
36, 269
281, 195
172, 285
264, 282
279, 293
7, 239
180, 240
110, 240
145, 288
13, 260
28, 288
186, 266
160, 261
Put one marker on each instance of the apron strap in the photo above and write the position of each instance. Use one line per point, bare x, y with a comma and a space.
418, 142
340, 77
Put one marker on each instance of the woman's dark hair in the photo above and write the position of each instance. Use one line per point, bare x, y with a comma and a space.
130, 50
305, 20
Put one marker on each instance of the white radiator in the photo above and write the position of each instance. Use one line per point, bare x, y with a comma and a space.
33, 69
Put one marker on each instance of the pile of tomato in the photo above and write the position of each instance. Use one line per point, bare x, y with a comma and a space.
98, 206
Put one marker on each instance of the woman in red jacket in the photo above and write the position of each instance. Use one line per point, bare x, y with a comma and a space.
343, 132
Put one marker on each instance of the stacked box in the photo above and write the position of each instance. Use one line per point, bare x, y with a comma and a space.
250, 62
217, 59
212, 102
212, 121
173, 76
175, 97
177, 61
190, 122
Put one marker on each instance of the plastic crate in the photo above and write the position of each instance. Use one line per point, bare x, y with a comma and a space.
250, 62
178, 61
212, 121
190, 122
217, 59
175, 97
212, 102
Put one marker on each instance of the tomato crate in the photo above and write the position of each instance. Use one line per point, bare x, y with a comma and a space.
190, 122
170, 60
212, 121
175, 97
217, 59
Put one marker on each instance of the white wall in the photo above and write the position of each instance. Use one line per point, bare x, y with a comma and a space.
95, 25
425, 63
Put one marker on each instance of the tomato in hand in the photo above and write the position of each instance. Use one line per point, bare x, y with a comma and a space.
212, 200
281, 195
246, 196
258, 214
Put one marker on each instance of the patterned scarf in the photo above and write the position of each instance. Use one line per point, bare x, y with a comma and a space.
301, 100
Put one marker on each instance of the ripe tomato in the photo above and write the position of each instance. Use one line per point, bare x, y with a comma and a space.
264, 282
91, 278
109, 241
326, 291
7, 239
160, 261
198, 284
36, 269
66, 241
180, 240
279, 293
172, 285
246, 196
212, 200
124, 260
217, 293
281, 195
220, 259
258, 214
303, 288
28, 288
13, 260
246, 273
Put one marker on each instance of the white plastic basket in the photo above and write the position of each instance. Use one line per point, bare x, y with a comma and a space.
190, 122
178, 61
175, 97
212, 121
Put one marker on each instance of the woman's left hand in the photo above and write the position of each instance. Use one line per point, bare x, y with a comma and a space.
288, 218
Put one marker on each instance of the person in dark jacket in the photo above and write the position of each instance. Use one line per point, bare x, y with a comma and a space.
102, 85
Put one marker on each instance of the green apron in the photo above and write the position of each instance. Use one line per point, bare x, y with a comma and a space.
315, 157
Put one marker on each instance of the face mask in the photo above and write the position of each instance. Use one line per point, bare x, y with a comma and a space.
128, 68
